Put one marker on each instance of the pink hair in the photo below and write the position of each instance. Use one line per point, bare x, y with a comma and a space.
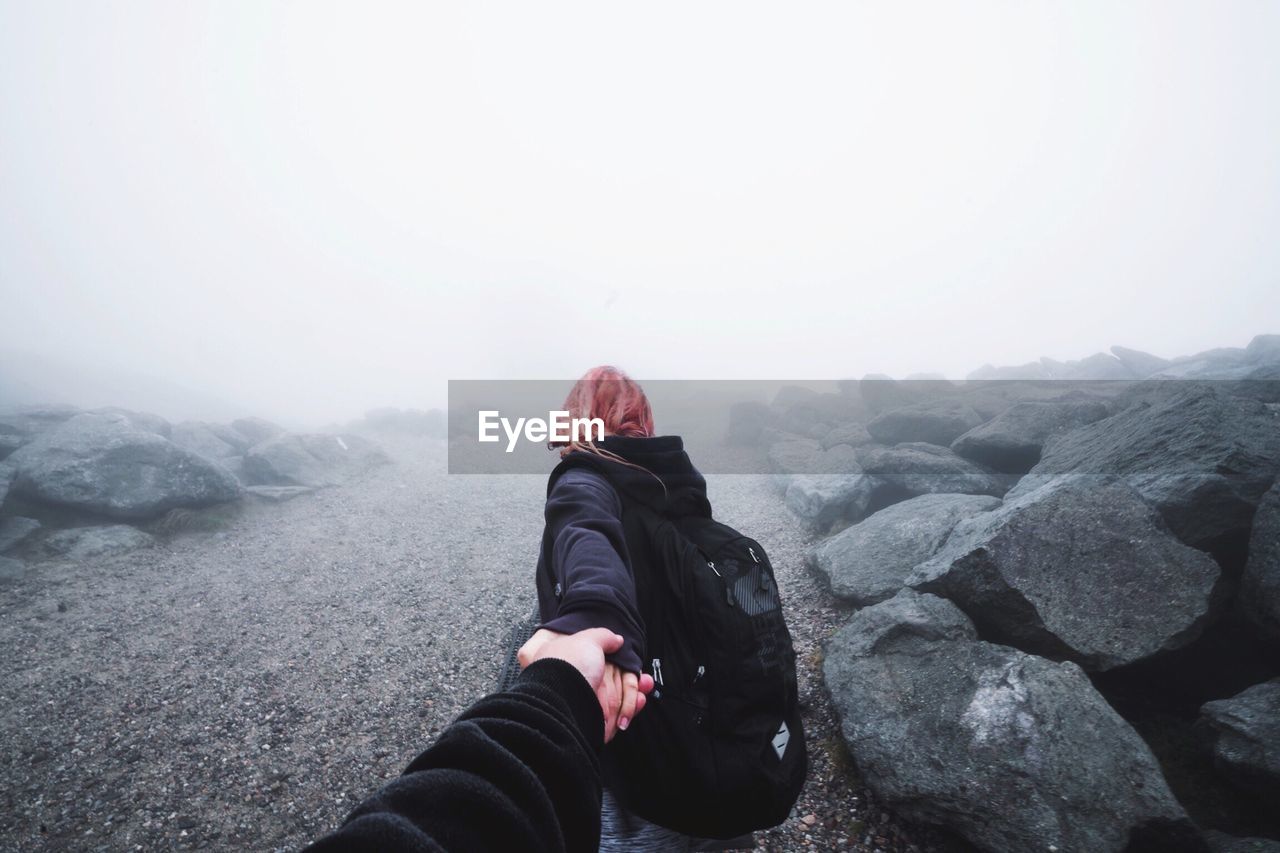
614, 397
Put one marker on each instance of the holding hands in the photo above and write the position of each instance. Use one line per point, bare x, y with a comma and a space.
621, 694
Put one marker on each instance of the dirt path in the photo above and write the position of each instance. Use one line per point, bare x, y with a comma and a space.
244, 688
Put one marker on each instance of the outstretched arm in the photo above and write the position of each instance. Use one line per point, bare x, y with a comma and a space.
589, 561
517, 771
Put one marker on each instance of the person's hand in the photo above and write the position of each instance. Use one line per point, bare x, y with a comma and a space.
586, 651
529, 650
631, 699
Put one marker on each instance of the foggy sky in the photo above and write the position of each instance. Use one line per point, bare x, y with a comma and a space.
312, 208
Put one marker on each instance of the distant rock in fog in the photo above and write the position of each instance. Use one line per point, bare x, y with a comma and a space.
105, 464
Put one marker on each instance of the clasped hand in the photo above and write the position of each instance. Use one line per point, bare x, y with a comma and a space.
621, 694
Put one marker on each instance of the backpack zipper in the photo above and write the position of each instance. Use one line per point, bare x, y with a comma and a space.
752, 552
657, 672
728, 593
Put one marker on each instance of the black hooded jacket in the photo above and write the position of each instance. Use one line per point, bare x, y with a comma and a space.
585, 573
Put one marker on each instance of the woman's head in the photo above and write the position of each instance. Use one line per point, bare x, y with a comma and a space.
615, 398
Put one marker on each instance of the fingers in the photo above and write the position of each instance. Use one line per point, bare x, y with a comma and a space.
646, 684
610, 695
528, 653
630, 690
608, 641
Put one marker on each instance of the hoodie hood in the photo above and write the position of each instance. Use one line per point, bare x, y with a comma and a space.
665, 460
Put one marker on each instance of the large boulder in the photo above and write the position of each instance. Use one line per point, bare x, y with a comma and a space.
826, 500
1259, 597
1100, 365
1203, 457
1220, 842
853, 434
7, 472
1138, 362
1013, 440
103, 464
1011, 751
14, 530
1244, 735
1221, 363
933, 422
1079, 569
803, 410
11, 569
311, 460
870, 561
20, 424
145, 421
257, 430
1263, 349
88, 543
807, 456
882, 394
907, 470
201, 438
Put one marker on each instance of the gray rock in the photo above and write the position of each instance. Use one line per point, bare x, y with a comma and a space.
1259, 597
1203, 457
1263, 349
87, 543
933, 422
15, 530
145, 421
1032, 370
907, 470
1262, 384
1244, 735
825, 500
230, 435
870, 561
1097, 366
20, 424
809, 412
1011, 751
1221, 363
1013, 440
1220, 842
853, 434
257, 430
11, 569
7, 472
1080, 570
201, 438
311, 460
102, 464
279, 494
1138, 362
882, 394
807, 456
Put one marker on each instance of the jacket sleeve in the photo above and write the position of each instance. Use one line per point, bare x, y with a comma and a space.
517, 771
590, 564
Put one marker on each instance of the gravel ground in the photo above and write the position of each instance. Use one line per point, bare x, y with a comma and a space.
244, 688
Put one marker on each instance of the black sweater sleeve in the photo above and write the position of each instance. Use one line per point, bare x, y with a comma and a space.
590, 563
517, 771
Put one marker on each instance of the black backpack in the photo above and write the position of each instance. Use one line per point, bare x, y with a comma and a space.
719, 750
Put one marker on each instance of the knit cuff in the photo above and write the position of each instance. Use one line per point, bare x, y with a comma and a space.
561, 677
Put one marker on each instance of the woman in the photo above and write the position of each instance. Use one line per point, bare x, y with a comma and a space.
585, 576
